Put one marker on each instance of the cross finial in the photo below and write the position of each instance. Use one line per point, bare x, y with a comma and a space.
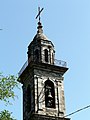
39, 13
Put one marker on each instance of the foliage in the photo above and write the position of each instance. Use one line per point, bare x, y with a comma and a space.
6, 115
7, 85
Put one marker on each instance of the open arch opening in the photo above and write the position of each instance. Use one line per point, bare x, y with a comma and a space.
46, 55
36, 55
49, 94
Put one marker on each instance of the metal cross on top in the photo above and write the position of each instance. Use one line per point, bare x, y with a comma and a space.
39, 13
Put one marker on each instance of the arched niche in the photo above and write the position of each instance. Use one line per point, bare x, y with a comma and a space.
28, 98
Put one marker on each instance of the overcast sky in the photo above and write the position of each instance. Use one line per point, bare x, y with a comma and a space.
67, 24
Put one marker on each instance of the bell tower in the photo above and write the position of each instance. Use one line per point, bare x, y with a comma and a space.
42, 79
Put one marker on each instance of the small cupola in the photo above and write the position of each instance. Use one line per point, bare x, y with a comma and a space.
41, 49
40, 35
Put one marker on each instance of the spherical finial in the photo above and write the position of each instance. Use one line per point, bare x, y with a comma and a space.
40, 30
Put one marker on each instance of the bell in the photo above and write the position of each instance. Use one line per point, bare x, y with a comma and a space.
49, 95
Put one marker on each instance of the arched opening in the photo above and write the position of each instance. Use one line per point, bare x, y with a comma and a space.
46, 55
36, 55
49, 94
28, 98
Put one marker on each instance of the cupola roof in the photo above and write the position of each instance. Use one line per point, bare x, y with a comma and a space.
40, 35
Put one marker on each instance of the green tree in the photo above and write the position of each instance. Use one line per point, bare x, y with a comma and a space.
6, 115
7, 85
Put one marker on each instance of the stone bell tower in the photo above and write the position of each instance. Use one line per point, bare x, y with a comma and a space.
42, 79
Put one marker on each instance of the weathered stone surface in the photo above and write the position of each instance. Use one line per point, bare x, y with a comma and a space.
44, 117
